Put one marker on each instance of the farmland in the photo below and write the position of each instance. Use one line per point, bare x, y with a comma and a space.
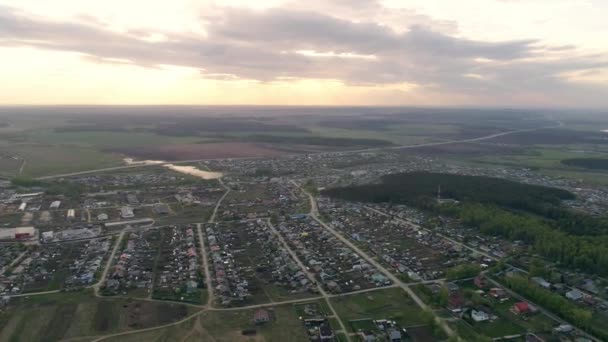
72, 315
73, 142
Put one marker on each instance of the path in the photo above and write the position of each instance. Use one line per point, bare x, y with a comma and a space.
106, 269
310, 275
314, 211
487, 137
203, 251
219, 202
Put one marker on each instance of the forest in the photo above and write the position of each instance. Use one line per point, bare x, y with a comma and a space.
587, 163
413, 187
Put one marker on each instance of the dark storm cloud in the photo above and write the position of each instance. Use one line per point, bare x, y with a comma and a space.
263, 45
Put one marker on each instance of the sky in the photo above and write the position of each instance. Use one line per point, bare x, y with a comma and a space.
516, 53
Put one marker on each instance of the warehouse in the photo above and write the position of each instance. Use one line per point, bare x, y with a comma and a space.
19, 233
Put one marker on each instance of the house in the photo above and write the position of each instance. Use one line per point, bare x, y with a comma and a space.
541, 282
574, 295
452, 287
161, 209
48, 236
394, 335
455, 302
479, 316
325, 332
564, 329
498, 293
126, 212
261, 316
520, 308
481, 281
55, 205
368, 336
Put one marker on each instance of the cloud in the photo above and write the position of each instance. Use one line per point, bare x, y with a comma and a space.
267, 45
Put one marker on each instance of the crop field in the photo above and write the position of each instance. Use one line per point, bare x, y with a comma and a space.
75, 142
197, 151
78, 314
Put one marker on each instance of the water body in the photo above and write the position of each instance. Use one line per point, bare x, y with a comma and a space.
131, 161
189, 170
194, 171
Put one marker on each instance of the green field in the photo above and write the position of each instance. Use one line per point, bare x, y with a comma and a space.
227, 326
108, 139
71, 315
383, 304
400, 135
547, 160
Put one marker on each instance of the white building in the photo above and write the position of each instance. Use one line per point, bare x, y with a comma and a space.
479, 316
55, 205
48, 236
126, 212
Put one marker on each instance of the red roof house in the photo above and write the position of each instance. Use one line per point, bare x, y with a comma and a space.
520, 308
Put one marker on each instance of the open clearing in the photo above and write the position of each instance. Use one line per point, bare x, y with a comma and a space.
70, 315
386, 304
227, 326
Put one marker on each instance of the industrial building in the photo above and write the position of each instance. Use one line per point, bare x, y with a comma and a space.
19, 233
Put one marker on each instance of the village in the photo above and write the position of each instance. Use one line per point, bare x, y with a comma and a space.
262, 234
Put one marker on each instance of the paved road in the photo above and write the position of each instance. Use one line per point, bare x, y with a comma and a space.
487, 137
314, 211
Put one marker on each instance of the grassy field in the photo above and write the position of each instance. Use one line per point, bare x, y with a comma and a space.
401, 135
547, 160
71, 315
227, 326
384, 304
102, 140
55, 159
63, 140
